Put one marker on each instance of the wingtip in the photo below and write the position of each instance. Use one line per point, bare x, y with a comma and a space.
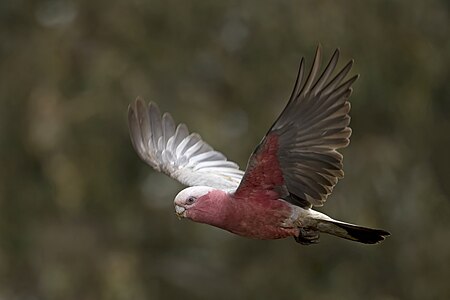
350, 63
353, 79
130, 111
168, 119
305, 88
141, 102
319, 48
133, 108
301, 67
153, 109
318, 52
337, 50
152, 103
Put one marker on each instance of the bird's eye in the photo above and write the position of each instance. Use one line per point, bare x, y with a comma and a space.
190, 200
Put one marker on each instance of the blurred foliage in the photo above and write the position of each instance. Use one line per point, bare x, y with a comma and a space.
81, 217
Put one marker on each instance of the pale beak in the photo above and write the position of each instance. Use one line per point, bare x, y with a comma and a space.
180, 211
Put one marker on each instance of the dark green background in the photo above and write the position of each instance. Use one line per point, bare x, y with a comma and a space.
81, 217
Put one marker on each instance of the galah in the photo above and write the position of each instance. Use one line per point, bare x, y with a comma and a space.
292, 170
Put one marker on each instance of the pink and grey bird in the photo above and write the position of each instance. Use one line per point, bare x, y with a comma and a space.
292, 170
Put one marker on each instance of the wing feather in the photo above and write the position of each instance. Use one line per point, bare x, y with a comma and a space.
305, 165
171, 149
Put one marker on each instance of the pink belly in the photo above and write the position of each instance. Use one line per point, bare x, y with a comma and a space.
265, 219
264, 232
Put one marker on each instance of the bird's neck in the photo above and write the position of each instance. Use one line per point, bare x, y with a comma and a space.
212, 209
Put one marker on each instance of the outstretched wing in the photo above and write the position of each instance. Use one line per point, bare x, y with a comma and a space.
173, 151
298, 157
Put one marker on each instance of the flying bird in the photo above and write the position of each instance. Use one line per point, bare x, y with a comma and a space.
292, 170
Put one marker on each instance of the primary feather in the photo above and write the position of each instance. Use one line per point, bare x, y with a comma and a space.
301, 146
172, 150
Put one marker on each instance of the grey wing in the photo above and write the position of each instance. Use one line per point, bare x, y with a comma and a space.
174, 151
313, 125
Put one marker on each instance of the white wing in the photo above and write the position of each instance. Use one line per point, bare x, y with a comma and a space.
173, 151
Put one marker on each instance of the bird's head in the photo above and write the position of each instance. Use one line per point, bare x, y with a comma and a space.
199, 203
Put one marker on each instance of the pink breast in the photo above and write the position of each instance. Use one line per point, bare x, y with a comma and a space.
260, 217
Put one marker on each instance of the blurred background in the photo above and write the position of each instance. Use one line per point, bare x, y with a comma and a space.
81, 217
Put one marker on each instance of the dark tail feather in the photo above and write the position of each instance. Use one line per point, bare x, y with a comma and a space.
353, 232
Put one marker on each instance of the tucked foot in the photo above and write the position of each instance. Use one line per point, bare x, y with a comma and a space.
307, 236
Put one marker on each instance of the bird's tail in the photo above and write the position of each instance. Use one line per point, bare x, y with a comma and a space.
352, 232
